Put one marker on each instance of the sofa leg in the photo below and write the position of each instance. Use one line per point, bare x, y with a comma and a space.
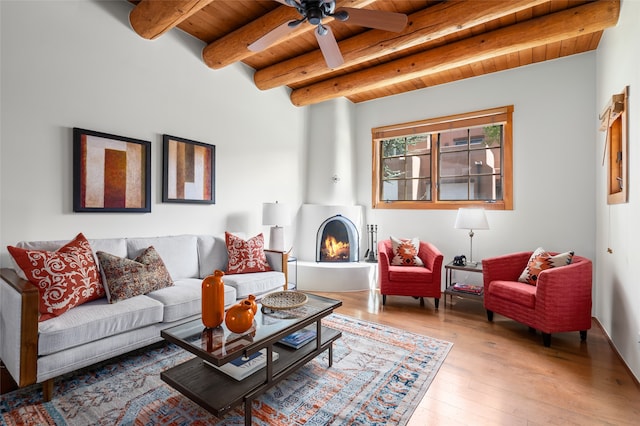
489, 315
422, 301
532, 330
436, 302
546, 339
583, 335
384, 299
47, 390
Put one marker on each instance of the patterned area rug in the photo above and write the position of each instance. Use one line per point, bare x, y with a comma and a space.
379, 376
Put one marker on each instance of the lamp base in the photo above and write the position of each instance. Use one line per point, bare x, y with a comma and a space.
276, 238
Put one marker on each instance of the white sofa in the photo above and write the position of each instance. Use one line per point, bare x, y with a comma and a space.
37, 352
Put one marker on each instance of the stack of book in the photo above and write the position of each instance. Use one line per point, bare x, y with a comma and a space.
243, 367
468, 288
299, 338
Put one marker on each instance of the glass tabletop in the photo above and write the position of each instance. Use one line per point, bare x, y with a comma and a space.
219, 344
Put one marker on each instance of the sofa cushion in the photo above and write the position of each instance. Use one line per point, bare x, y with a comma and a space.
405, 252
184, 298
513, 291
179, 253
96, 320
245, 256
541, 260
212, 254
255, 283
65, 278
125, 278
409, 273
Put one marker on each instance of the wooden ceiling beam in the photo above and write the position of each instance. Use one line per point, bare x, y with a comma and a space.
233, 47
152, 18
580, 20
426, 25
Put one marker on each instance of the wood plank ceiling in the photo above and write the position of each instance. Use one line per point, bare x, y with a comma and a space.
444, 41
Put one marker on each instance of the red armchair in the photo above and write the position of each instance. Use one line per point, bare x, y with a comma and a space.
417, 281
560, 302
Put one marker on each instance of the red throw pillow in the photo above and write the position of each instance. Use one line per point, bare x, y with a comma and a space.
246, 256
65, 278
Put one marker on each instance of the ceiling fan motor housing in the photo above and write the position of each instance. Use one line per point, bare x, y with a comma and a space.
316, 10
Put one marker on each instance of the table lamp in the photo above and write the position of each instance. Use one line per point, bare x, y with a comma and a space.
277, 215
471, 219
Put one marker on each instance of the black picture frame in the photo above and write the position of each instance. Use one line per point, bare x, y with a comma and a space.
110, 173
188, 172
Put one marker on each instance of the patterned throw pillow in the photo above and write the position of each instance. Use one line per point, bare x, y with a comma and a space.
65, 278
125, 278
405, 252
246, 256
541, 260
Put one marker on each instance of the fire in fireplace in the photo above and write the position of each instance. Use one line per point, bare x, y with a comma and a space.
337, 240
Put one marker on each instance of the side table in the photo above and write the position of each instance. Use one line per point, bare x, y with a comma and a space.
450, 291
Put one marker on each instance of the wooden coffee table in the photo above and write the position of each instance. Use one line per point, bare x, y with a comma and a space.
218, 392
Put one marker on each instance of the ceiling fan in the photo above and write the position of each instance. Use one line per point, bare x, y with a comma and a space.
314, 11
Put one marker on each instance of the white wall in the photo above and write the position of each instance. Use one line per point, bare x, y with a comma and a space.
72, 64
617, 304
552, 159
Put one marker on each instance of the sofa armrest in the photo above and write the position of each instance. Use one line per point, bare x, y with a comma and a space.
278, 260
433, 259
19, 324
508, 267
383, 257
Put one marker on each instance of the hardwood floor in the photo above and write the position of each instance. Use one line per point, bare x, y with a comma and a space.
500, 373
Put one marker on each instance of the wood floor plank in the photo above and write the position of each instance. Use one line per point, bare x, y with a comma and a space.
499, 373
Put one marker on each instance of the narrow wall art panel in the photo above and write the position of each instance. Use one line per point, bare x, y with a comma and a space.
188, 172
110, 173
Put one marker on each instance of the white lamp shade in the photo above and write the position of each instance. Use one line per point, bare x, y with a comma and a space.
471, 219
276, 214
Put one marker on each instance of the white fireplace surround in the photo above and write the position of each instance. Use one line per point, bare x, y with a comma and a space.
330, 276
312, 216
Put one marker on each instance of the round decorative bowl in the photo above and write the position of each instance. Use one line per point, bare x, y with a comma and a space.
282, 300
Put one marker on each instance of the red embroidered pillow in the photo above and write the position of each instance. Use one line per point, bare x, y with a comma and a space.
65, 278
405, 252
539, 261
246, 256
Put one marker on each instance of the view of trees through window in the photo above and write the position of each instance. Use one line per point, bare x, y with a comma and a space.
461, 162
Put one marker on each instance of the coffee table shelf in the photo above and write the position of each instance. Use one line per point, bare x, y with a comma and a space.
218, 392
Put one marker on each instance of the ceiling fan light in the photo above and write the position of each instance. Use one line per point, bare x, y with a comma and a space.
314, 16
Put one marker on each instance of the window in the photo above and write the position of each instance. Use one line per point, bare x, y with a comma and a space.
445, 163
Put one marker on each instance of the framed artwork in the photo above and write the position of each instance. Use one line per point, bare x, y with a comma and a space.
188, 172
110, 173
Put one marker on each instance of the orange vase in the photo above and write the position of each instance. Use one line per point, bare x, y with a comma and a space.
239, 317
254, 305
213, 300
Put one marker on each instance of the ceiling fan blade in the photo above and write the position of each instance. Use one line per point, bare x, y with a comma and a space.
381, 20
291, 3
272, 36
329, 46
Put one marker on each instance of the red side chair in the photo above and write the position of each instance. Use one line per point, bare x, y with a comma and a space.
417, 281
560, 302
